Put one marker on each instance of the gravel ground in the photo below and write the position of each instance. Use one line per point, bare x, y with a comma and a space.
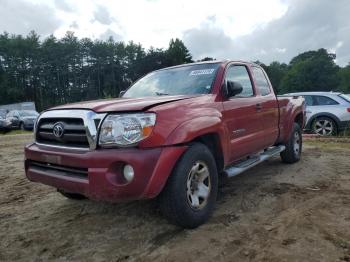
273, 212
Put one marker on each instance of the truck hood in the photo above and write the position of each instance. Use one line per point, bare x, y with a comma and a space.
123, 104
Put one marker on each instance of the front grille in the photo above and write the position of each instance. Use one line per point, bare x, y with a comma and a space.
74, 134
52, 169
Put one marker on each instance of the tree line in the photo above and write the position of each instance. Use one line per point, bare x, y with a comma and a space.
57, 71
309, 71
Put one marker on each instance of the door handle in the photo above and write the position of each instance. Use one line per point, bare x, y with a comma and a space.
258, 107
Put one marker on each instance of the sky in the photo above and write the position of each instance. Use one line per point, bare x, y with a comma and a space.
269, 30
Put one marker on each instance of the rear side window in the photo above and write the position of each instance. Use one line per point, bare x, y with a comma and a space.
345, 97
323, 101
261, 82
309, 100
240, 74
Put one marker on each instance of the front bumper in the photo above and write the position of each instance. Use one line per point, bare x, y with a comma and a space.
98, 174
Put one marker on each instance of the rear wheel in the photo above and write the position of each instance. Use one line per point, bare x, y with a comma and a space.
74, 196
324, 126
292, 153
189, 196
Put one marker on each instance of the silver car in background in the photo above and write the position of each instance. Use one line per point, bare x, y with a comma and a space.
327, 113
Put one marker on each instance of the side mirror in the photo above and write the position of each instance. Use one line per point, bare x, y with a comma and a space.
233, 88
121, 93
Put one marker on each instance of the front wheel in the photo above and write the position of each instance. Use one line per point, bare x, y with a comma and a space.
189, 196
294, 145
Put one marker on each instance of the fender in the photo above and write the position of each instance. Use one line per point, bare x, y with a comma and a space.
288, 125
197, 127
326, 114
174, 148
165, 165
194, 128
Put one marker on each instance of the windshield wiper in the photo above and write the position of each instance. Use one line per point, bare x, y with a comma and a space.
161, 94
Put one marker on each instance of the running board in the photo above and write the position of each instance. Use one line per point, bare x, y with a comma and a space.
253, 161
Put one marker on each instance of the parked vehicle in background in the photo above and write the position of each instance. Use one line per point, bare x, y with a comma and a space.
173, 134
327, 113
22, 119
19, 106
5, 124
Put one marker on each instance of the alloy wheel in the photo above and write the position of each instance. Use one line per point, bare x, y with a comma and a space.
324, 127
198, 185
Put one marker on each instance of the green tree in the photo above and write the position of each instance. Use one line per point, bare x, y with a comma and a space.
178, 52
206, 59
276, 72
344, 79
311, 71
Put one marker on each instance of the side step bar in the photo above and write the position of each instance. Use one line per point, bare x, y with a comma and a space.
253, 161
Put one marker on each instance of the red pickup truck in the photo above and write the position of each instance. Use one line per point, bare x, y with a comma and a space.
172, 135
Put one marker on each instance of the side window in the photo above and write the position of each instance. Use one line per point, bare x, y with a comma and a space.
324, 101
261, 82
239, 73
309, 100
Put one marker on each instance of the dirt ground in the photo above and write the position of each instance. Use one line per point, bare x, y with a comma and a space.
274, 212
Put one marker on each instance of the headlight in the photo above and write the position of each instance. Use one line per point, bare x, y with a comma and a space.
126, 129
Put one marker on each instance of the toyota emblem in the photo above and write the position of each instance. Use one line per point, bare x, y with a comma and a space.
58, 130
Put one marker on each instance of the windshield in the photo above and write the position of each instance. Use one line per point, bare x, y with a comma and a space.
28, 113
184, 80
345, 97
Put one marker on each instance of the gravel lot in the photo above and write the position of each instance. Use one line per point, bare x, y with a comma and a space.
274, 212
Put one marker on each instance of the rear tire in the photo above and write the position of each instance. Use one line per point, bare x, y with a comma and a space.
189, 197
73, 196
293, 150
324, 126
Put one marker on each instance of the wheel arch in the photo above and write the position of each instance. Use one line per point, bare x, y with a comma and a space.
323, 114
299, 119
212, 141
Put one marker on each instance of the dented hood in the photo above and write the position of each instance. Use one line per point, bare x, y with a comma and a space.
123, 104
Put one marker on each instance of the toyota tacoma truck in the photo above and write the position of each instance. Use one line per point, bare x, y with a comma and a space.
173, 135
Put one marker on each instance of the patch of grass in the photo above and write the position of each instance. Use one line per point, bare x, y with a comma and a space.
328, 144
17, 132
345, 133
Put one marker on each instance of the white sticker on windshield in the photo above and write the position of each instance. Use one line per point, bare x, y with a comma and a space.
202, 72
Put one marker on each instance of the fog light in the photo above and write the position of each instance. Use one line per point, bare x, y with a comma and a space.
128, 173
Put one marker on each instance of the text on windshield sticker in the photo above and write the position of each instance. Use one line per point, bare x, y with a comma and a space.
201, 72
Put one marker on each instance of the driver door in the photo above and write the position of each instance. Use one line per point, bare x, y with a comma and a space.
242, 115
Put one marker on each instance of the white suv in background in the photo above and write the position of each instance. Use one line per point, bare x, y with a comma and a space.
327, 113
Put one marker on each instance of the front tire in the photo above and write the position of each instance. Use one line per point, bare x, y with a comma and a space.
293, 150
189, 196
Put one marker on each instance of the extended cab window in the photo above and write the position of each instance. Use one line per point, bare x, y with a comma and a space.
239, 73
261, 82
324, 101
